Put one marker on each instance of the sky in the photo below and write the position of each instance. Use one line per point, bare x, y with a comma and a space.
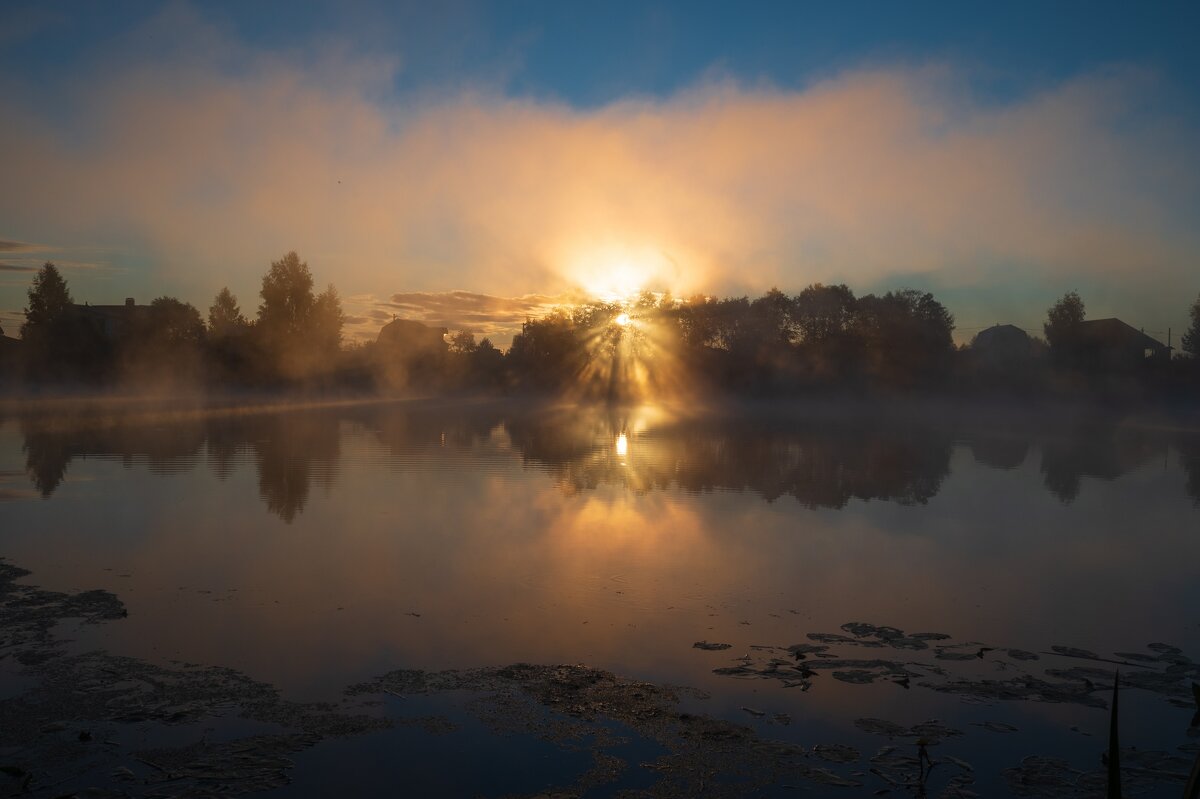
474, 164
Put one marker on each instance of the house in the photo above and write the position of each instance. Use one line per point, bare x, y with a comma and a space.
112, 321
11, 351
410, 353
1003, 345
408, 338
1110, 344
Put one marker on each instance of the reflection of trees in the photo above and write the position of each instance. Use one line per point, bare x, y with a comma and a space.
292, 451
999, 450
819, 463
1102, 451
407, 427
1189, 458
46, 457
51, 442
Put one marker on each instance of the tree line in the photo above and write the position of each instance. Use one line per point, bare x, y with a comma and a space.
294, 338
824, 337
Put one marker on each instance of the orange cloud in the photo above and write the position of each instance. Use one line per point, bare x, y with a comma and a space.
863, 177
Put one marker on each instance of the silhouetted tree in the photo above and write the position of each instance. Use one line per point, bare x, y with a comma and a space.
824, 319
224, 316
327, 321
547, 353
823, 313
287, 296
1062, 327
299, 331
59, 341
906, 336
49, 304
463, 343
1191, 337
487, 364
175, 323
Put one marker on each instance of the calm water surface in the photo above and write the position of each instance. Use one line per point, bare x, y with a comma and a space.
313, 549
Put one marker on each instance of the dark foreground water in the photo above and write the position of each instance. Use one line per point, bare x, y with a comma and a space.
515, 600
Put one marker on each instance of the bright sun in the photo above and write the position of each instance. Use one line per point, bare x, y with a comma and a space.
623, 319
616, 273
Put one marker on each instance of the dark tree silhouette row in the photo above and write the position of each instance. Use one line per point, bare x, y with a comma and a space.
655, 345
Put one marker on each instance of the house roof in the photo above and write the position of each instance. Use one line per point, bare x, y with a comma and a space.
1000, 334
1114, 331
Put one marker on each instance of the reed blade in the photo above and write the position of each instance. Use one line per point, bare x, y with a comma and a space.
1114, 747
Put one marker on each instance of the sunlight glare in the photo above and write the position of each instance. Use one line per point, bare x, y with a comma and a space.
618, 272
622, 319
622, 445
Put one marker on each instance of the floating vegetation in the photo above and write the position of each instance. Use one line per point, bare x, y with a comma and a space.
67, 733
705, 645
1008, 674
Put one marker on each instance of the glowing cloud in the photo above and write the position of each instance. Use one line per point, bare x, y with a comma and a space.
867, 177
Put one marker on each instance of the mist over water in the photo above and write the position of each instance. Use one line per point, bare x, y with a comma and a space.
315, 548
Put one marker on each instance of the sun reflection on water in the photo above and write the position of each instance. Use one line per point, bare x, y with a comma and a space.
622, 445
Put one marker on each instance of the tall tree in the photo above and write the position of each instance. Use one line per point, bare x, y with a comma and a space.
1062, 322
175, 323
326, 320
463, 343
224, 315
823, 313
906, 335
301, 332
287, 296
49, 303
1191, 338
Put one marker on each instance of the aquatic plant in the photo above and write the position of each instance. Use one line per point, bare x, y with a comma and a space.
1114, 746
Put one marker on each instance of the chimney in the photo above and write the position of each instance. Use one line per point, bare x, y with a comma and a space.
129, 302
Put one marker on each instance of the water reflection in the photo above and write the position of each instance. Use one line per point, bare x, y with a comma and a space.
820, 460
1103, 451
1189, 459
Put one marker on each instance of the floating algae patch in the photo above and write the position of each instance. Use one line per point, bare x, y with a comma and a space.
711, 647
971, 670
579, 707
100, 724
70, 729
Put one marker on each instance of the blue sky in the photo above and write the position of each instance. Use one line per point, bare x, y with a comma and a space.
1085, 112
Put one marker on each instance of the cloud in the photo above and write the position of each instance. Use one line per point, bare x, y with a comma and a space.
16, 246
866, 177
16, 268
497, 318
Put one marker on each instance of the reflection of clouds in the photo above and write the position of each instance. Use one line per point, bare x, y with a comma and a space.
504, 566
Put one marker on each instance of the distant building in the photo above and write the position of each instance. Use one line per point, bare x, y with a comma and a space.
1003, 342
411, 353
1110, 344
11, 350
407, 338
112, 321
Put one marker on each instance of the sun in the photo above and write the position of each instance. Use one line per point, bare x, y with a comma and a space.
616, 273
623, 319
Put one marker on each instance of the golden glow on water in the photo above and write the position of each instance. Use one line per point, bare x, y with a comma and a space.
622, 445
